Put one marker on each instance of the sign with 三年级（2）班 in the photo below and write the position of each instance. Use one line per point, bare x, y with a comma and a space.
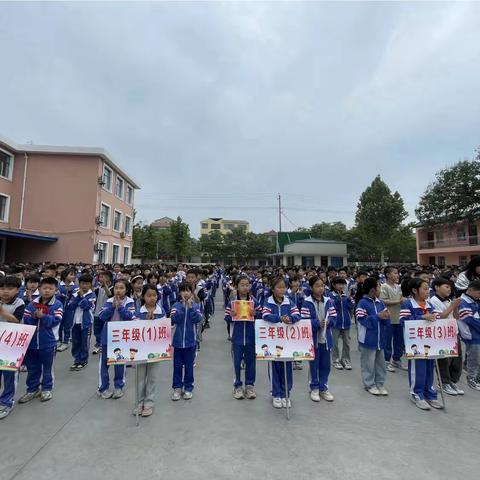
281, 341
139, 341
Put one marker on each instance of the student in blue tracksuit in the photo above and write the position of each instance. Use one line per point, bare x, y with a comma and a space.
80, 309
469, 326
185, 316
46, 314
66, 288
421, 372
276, 309
343, 306
11, 310
320, 310
373, 320
148, 372
167, 297
120, 307
243, 341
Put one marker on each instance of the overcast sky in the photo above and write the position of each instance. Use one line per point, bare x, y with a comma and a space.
214, 108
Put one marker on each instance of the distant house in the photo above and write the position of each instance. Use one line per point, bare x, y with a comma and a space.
162, 223
448, 244
300, 248
222, 225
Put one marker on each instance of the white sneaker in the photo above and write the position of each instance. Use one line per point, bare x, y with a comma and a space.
315, 396
177, 394
327, 395
187, 395
383, 391
284, 403
277, 402
390, 368
420, 403
238, 393
374, 390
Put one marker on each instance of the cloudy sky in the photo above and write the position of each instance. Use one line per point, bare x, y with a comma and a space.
214, 108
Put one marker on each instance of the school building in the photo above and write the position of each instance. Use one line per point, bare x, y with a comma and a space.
64, 204
222, 225
300, 248
448, 244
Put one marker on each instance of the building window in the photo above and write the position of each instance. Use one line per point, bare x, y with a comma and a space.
126, 255
4, 207
441, 261
205, 226
105, 216
242, 227
128, 225
6, 165
462, 260
107, 178
228, 226
115, 253
102, 252
336, 262
215, 226
461, 234
129, 198
117, 220
119, 183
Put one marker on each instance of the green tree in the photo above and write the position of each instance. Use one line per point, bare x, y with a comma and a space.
453, 196
402, 247
180, 242
212, 246
380, 214
329, 231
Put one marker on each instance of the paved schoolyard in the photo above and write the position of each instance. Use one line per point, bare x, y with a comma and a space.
213, 436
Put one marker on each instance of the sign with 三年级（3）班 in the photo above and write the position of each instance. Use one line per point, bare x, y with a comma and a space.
281, 341
139, 341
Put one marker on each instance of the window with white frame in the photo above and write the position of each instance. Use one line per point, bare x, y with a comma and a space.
126, 255
102, 252
117, 220
115, 253
107, 178
129, 198
128, 225
6, 164
119, 184
105, 215
4, 207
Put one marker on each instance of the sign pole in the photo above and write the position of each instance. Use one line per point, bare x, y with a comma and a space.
136, 396
439, 378
287, 395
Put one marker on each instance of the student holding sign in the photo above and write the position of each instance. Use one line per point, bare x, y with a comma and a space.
242, 331
279, 308
11, 310
320, 310
421, 371
147, 372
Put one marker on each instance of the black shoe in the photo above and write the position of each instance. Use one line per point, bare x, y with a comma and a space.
207, 325
81, 366
74, 367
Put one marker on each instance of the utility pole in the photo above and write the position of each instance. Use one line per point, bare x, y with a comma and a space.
279, 213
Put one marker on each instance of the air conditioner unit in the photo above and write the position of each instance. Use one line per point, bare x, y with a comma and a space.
101, 181
122, 235
98, 220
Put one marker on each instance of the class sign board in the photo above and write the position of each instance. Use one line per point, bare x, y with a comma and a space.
243, 311
424, 339
14, 341
139, 341
280, 341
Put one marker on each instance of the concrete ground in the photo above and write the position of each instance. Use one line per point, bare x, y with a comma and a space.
79, 436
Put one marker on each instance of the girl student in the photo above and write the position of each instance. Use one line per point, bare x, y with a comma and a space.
185, 316
147, 372
243, 340
278, 308
66, 288
420, 372
322, 313
373, 321
117, 308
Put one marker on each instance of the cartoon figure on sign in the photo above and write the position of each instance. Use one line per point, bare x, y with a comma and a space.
266, 353
118, 354
426, 349
415, 350
279, 350
133, 352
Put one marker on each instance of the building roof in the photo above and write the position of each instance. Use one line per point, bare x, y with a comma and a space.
218, 219
30, 236
287, 238
58, 150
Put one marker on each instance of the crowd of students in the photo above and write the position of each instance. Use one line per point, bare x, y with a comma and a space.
67, 303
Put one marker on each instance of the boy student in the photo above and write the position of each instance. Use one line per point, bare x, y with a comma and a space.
391, 295
450, 368
103, 293
469, 326
11, 310
80, 309
46, 314
30, 292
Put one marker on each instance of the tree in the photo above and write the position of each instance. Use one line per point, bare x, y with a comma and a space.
380, 214
180, 242
329, 231
453, 196
211, 245
402, 247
